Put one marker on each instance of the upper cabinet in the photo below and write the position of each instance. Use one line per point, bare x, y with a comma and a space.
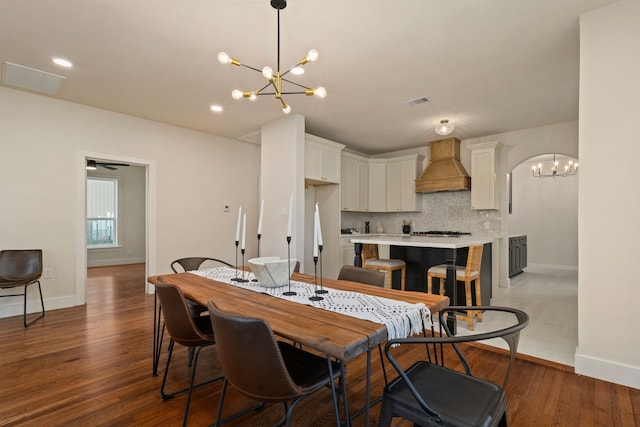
321, 161
483, 175
377, 185
354, 183
392, 183
401, 176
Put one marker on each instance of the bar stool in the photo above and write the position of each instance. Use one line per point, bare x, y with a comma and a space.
371, 261
467, 274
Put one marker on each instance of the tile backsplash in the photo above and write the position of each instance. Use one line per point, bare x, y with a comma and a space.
440, 211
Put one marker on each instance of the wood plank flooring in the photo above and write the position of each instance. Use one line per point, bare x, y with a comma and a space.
91, 366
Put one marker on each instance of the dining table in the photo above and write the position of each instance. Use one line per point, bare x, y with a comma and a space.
334, 334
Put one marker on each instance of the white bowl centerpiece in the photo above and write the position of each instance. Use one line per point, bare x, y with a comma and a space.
272, 272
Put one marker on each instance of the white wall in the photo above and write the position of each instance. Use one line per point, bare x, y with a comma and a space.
131, 218
609, 199
197, 174
546, 211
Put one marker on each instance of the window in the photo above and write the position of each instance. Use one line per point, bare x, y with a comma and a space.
102, 212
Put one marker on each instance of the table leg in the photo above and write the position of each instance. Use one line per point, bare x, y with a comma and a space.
368, 389
155, 336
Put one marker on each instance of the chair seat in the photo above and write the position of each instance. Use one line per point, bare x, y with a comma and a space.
465, 400
384, 263
441, 270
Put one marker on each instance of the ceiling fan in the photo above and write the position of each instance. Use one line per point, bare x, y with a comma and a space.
93, 165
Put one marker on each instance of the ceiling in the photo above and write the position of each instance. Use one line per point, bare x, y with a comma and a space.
489, 66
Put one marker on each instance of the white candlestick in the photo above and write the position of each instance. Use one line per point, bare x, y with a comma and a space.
290, 215
244, 230
260, 220
315, 235
238, 226
319, 227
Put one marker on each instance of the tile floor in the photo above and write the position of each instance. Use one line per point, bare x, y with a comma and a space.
550, 297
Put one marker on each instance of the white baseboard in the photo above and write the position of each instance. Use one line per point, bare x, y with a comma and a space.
553, 266
115, 261
14, 306
607, 370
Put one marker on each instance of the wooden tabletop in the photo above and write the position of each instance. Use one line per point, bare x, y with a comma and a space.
335, 334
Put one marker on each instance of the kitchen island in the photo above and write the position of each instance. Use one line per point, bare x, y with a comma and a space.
422, 252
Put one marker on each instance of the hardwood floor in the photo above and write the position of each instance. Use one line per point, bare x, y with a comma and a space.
91, 366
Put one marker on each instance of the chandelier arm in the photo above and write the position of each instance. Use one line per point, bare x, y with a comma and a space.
297, 84
293, 93
251, 68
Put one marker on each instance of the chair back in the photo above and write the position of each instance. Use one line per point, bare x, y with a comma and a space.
369, 251
361, 275
474, 259
177, 317
20, 267
250, 357
193, 263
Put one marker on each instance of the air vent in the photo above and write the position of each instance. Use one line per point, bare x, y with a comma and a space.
31, 79
418, 101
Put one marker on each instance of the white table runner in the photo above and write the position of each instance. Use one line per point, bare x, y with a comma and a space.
401, 318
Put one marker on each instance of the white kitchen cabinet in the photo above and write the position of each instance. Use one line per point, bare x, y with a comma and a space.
483, 175
321, 161
347, 252
377, 185
354, 183
400, 186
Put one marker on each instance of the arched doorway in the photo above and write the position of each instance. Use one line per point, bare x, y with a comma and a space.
544, 208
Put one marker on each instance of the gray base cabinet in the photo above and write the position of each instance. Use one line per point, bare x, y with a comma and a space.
517, 254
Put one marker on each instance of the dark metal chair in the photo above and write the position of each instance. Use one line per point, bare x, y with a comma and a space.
265, 369
187, 264
362, 275
22, 267
430, 394
186, 330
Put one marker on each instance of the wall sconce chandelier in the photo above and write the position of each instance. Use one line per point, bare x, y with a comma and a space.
276, 79
571, 168
444, 127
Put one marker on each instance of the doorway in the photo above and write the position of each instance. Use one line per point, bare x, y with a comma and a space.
545, 210
150, 185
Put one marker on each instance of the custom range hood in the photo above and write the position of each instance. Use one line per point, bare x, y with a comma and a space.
444, 171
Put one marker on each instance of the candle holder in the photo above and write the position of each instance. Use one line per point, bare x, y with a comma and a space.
259, 236
242, 280
315, 281
235, 279
289, 292
321, 290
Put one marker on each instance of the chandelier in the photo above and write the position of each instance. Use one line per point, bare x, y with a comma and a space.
570, 168
275, 80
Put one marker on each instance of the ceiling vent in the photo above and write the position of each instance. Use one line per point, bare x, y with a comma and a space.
418, 101
30, 79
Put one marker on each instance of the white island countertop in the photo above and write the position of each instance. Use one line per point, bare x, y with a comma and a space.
422, 241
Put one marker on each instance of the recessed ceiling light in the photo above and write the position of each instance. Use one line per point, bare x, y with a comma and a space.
216, 108
62, 62
297, 71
